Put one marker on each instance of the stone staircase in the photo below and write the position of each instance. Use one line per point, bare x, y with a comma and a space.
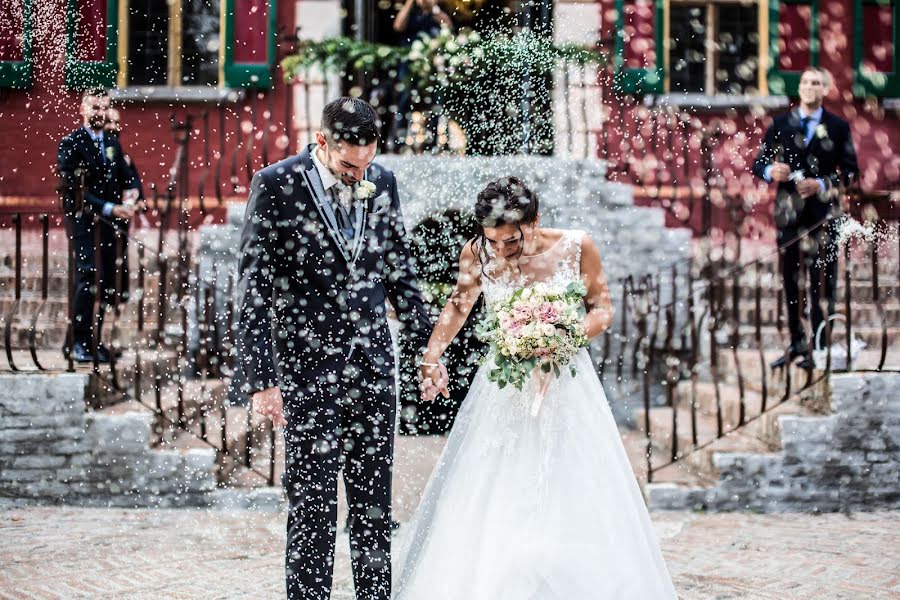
758, 465
843, 461
52, 451
863, 310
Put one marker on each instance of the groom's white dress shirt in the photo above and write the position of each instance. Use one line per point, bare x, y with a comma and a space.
325, 174
333, 188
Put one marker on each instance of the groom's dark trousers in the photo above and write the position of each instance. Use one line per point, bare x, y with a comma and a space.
314, 324
354, 434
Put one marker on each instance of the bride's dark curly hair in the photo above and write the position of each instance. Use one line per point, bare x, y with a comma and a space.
502, 202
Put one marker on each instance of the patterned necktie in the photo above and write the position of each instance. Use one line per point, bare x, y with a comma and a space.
804, 126
345, 221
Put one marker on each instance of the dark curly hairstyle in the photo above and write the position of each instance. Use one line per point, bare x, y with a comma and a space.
506, 201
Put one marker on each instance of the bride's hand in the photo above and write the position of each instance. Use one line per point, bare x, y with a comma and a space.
433, 380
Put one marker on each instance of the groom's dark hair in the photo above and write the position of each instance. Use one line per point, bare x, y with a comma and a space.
350, 120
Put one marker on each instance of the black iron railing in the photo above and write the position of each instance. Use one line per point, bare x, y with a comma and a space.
706, 323
174, 331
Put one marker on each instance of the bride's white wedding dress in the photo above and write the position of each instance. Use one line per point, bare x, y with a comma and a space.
532, 508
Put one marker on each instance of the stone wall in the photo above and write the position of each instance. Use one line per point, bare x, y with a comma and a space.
848, 460
51, 450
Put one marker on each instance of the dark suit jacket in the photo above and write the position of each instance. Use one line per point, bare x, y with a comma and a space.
830, 155
301, 307
104, 180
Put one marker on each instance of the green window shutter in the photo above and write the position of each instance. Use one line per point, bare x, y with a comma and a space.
92, 40
785, 82
639, 80
248, 37
15, 46
866, 81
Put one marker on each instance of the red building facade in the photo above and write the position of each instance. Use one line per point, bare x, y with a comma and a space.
687, 77
213, 59
720, 68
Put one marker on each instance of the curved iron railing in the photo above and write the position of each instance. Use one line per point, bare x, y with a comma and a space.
681, 342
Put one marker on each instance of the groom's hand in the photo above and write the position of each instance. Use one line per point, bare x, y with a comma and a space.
268, 403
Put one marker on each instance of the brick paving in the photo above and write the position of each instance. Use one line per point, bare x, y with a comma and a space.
48, 553
65, 552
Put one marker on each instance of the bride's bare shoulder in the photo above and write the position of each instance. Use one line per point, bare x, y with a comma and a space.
471, 254
470, 258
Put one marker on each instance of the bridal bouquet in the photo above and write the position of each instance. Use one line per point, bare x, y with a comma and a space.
538, 326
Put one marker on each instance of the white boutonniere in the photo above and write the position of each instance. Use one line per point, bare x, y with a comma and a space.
821, 131
365, 190
110, 153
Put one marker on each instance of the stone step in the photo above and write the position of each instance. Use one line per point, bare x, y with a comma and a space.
839, 461
860, 290
861, 313
773, 339
705, 395
58, 281
760, 432
231, 465
52, 450
699, 460
635, 444
52, 324
202, 430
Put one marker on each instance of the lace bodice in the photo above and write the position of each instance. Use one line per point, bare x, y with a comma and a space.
560, 264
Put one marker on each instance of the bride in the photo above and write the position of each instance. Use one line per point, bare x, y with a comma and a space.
523, 506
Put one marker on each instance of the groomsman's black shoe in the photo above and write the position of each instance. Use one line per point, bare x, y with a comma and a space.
793, 351
108, 352
83, 354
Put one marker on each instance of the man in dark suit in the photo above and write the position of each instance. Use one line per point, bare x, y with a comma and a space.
109, 192
322, 248
113, 127
809, 153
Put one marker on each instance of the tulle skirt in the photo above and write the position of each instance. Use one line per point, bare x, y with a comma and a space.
524, 507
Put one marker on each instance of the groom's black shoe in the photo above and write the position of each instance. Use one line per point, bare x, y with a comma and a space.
793, 351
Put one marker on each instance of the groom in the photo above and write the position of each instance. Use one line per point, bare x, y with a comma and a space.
323, 247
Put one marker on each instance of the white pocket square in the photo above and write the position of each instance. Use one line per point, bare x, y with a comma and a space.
381, 204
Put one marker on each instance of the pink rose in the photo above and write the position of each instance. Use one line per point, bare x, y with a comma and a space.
547, 313
521, 313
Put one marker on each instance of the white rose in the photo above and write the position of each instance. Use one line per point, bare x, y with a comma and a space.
821, 131
365, 189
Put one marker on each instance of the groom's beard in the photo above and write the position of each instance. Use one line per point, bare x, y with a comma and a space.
342, 177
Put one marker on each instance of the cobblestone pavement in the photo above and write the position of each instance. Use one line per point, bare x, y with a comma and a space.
167, 554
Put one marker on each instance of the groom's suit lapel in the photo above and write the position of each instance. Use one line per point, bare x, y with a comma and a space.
326, 212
